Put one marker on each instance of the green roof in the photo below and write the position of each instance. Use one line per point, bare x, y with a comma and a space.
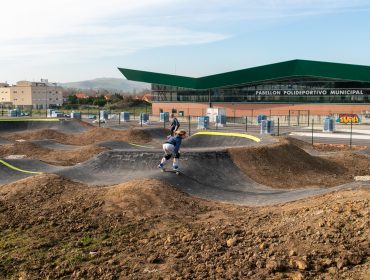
276, 71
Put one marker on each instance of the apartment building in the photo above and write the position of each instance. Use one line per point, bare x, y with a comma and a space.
38, 95
4, 93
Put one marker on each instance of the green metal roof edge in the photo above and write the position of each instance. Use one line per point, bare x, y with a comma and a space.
158, 78
292, 68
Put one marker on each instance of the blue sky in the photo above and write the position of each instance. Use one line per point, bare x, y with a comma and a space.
73, 40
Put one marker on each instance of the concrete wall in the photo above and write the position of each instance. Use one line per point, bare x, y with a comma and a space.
240, 110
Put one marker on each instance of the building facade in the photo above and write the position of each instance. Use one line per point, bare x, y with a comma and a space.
319, 87
37, 95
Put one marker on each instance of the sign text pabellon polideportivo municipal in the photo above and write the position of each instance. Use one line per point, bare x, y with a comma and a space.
311, 92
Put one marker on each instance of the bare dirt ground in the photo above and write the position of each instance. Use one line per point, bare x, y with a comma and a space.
51, 227
91, 136
55, 157
286, 165
323, 147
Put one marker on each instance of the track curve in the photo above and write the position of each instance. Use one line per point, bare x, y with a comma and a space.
207, 173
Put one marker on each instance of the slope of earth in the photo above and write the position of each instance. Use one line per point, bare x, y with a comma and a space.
3, 141
91, 136
322, 147
55, 157
64, 125
285, 165
52, 227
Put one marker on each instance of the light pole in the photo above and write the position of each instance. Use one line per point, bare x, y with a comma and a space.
46, 101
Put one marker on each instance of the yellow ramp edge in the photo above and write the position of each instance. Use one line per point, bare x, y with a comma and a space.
18, 169
230, 134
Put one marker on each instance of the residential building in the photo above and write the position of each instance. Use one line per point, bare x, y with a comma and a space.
38, 95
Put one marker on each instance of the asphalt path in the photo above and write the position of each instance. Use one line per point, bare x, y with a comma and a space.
209, 175
207, 170
62, 125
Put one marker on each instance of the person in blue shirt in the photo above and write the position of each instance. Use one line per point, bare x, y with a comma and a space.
172, 148
175, 124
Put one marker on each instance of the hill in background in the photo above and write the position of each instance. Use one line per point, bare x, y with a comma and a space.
110, 84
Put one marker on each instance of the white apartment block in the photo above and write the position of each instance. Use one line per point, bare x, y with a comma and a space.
38, 95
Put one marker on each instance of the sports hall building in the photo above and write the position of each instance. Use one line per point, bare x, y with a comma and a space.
319, 88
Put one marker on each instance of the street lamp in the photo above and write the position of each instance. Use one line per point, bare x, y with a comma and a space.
46, 101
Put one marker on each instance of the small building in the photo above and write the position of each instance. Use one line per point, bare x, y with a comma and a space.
81, 95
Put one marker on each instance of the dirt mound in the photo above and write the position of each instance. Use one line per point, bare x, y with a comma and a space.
55, 157
55, 228
284, 165
136, 198
88, 137
337, 147
147, 197
296, 142
322, 147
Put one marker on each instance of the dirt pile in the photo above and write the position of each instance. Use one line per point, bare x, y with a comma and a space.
55, 228
145, 198
285, 165
88, 137
337, 147
91, 136
322, 147
55, 157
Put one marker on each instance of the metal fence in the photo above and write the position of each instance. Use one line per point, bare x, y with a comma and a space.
300, 125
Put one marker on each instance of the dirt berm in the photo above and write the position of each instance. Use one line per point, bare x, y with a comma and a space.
88, 137
285, 165
54, 228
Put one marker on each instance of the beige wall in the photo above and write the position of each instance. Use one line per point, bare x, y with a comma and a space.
38, 95
4, 94
20, 95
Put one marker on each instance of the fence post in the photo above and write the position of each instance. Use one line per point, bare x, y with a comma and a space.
99, 117
246, 124
141, 120
308, 118
350, 139
289, 118
189, 123
312, 132
278, 127
119, 117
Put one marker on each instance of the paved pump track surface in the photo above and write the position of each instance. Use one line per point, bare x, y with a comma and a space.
208, 170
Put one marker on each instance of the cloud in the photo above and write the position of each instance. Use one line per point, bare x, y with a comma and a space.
44, 31
102, 42
84, 29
